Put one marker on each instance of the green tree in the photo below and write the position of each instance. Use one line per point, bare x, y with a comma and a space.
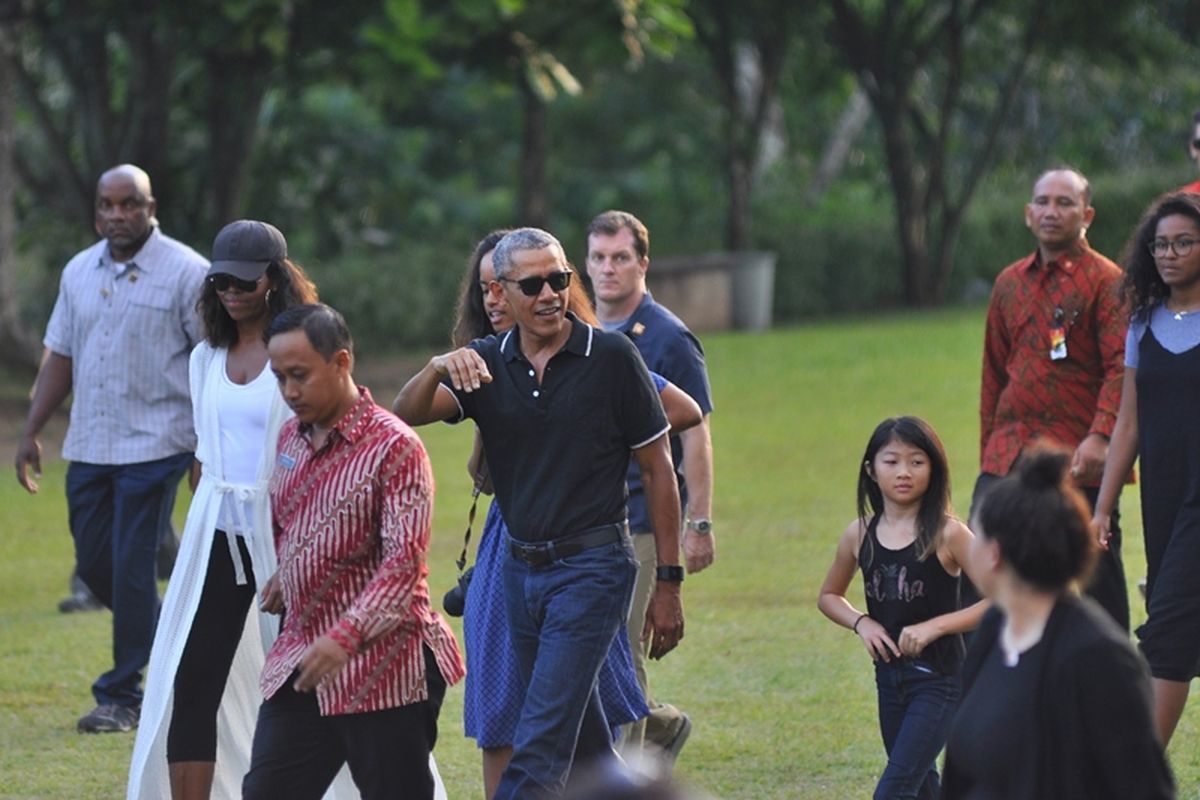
747, 46
17, 343
942, 78
176, 87
541, 48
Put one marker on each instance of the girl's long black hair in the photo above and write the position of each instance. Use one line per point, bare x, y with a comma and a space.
935, 504
471, 320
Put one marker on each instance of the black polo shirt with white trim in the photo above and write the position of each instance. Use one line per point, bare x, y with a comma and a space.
558, 451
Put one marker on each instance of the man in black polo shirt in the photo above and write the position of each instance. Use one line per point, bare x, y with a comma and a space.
560, 406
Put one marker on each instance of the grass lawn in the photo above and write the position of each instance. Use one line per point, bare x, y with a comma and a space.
783, 700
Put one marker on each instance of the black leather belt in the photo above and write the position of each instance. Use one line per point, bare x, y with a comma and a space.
539, 554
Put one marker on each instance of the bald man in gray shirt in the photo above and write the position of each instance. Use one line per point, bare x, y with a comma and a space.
119, 337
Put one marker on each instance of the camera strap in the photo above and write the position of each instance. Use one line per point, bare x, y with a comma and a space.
480, 478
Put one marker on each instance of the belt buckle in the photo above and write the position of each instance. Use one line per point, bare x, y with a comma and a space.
530, 553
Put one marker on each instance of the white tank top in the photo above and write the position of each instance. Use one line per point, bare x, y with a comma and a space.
242, 411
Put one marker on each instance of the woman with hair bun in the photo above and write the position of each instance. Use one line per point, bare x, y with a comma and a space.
1056, 702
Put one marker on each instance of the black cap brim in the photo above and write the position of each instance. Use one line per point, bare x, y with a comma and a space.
246, 270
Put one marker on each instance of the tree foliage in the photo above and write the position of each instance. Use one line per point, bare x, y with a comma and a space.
386, 136
539, 47
747, 47
176, 87
943, 78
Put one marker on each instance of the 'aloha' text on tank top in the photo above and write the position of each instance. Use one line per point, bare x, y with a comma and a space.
890, 582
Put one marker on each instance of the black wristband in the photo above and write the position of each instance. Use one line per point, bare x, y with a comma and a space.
861, 617
672, 573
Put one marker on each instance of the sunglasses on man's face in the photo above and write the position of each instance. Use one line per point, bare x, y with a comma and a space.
223, 282
532, 287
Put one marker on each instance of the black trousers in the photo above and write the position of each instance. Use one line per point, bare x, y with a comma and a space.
211, 645
1107, 586
297, 752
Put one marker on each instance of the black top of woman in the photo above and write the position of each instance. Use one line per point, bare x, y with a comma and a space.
1092, 711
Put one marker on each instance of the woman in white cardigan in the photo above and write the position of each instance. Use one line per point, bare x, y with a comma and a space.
202, 694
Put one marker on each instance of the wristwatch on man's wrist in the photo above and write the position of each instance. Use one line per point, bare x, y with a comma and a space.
702, 526
672, 573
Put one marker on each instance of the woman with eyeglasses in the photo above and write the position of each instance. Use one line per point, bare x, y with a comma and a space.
1158, 424
1056, 703
493, 691
202, 696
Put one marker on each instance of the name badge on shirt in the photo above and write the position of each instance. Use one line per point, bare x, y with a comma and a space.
1058, 343
1058, 335
286, 461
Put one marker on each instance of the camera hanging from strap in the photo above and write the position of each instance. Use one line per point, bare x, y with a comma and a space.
480, 479
455, 601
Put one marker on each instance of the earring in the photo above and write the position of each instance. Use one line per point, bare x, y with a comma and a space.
268, 296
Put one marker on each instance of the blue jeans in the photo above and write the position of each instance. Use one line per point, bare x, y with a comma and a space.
563, 617
116, 512
916, 706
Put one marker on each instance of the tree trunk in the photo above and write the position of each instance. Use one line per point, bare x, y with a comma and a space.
846, 131
534, 205
747, 68
914, 246
237, 85
755, 135
738, 171
890, 61
148, 106
909, 192
18, 345
944, 259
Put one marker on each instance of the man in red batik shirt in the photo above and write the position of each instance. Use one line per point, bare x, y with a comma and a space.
360, 667
1053, 358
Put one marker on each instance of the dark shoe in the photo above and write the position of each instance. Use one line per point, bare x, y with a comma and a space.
109, 718
81, 601
680, 738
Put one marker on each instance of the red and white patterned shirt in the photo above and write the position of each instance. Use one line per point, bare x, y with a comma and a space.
352, 524
1025, 393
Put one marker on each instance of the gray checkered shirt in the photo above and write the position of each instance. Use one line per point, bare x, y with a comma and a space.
129, 337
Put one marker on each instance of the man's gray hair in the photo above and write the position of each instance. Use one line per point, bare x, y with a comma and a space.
521, 239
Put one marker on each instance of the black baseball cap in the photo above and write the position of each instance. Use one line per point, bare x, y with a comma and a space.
245, 248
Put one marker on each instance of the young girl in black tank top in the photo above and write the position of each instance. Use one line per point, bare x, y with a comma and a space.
911, 551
